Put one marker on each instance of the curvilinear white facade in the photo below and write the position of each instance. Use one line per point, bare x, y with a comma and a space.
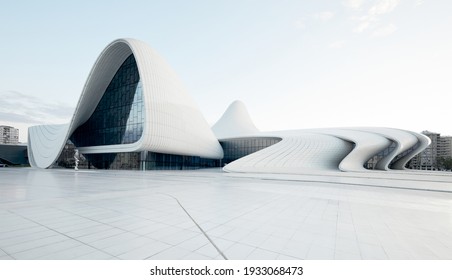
134, 108
310, 150
172, 122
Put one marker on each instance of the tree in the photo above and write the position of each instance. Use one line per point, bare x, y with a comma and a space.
445, 163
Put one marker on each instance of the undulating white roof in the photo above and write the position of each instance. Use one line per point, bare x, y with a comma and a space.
328, 149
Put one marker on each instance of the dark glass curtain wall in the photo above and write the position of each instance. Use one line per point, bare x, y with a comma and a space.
119, 116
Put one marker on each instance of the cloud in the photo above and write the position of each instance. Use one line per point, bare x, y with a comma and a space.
353, 4
337, 44
418, 3
383, 7
324, 16
17, 107
371, 19
384, 31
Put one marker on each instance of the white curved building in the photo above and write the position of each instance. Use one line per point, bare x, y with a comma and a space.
134, 113
312, 150
132, 102
331, 149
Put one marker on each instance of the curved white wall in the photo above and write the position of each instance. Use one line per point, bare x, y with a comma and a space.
45, 143
173, 123
296, 153
423, 142
366, 146
235, 121
403, 140
310, 150
344, 149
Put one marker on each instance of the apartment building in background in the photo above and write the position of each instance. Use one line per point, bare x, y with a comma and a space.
428, 159
9, 135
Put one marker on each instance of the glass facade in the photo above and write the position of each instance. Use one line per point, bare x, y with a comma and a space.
119, 119
158, 161
66, 158
233, 150
126, 161
372, 162
132, 161
237, 148
401, 155
119, 116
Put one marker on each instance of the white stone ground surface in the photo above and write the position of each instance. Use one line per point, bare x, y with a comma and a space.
208, 214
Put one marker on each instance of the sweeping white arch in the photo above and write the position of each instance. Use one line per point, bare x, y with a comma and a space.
422, 143
329, 149
173, 123
326, 149
366, 145
298, 152
403, 141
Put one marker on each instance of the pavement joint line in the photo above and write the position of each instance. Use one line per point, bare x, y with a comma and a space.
63, 235
196, 223
356, 184
7, 254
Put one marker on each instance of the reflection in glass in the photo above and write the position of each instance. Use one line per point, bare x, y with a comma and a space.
239, 147
119, 116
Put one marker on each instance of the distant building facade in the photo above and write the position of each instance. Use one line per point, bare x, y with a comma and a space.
9, 135
445, 146
428, 159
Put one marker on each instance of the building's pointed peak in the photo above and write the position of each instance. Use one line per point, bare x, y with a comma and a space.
235, 122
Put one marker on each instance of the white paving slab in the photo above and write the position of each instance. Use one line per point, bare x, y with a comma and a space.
98, 214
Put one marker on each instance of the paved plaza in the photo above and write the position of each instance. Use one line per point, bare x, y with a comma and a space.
208, 214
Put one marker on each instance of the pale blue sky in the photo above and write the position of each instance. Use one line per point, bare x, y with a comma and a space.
295, 64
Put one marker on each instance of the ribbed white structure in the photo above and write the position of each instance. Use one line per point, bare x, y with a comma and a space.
366, 145
235, 122
345, 149
423, 142
403, 140
173, 123
328, 149
297, 153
